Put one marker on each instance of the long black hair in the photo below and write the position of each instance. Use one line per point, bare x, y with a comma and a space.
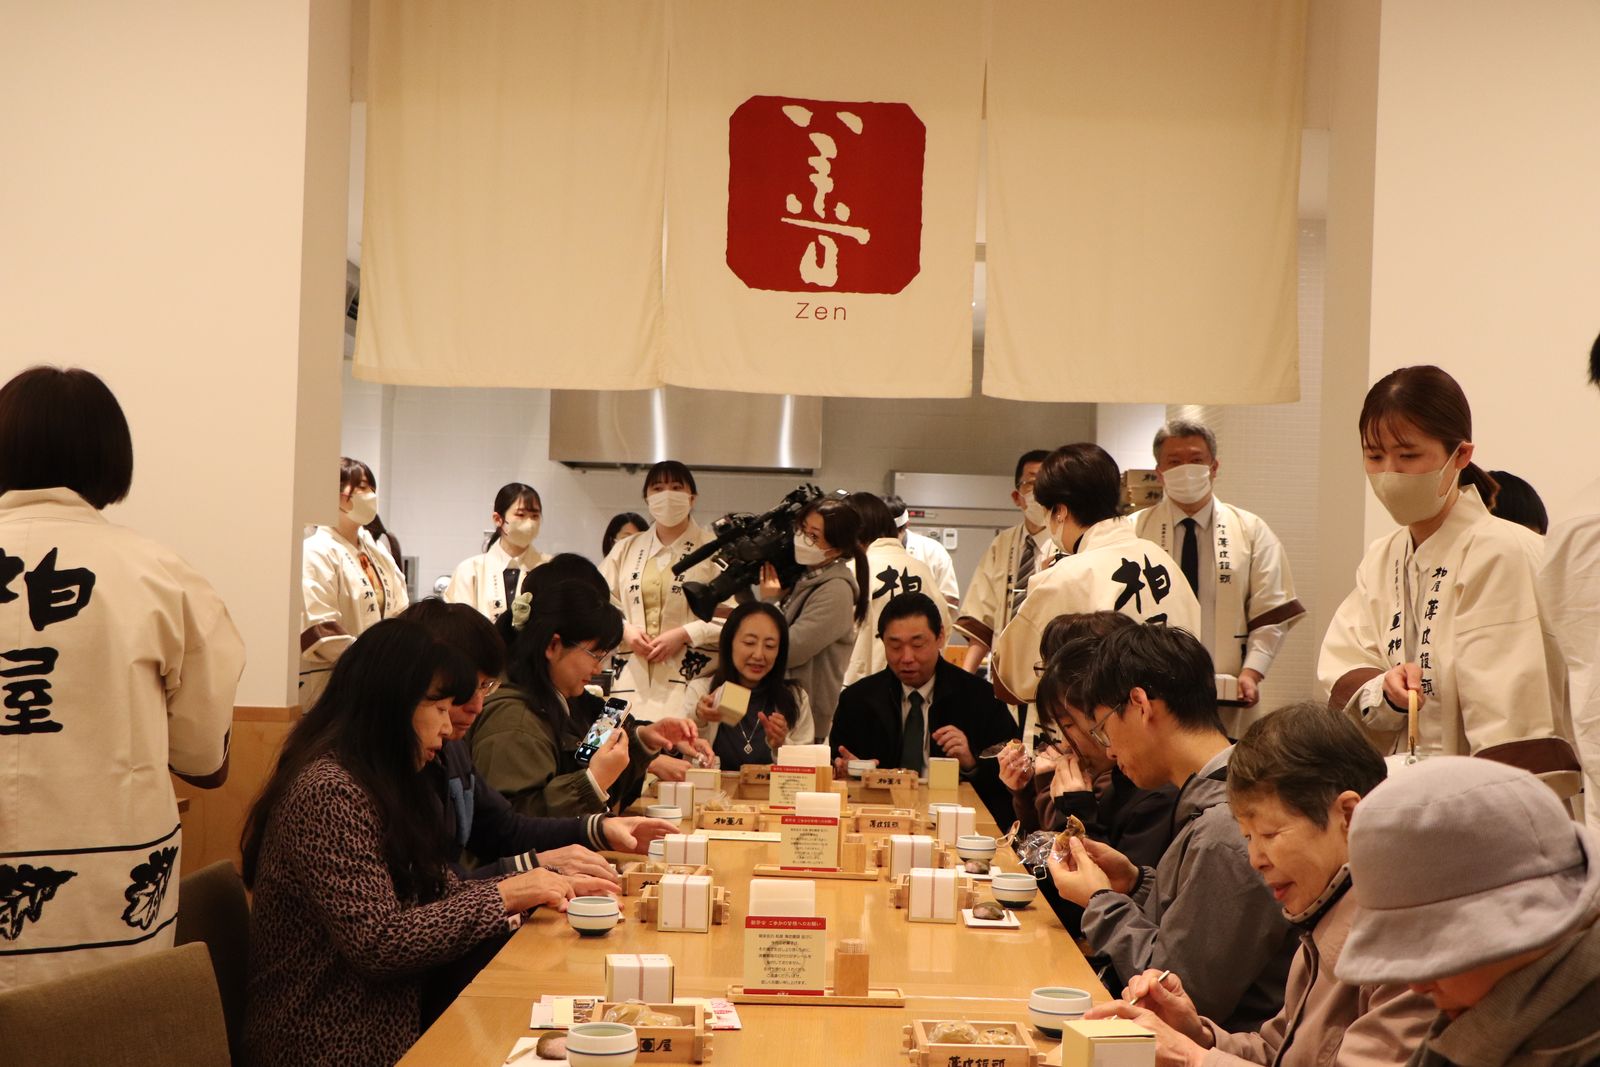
363, 721
510, 495
841, 527
775, 686
571, 611
609, 539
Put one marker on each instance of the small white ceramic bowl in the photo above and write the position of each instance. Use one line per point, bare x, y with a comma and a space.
858, 768
1052, 1007
1014, 890
602, 1045
669, 812
975, 847
593, 916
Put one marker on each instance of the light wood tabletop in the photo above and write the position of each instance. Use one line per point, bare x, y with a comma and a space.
946, 971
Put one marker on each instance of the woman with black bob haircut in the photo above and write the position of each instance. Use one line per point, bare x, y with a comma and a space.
141, 660
488, 580
353, 897
754, 653
558, 636
896, 571
624, 524
825, 605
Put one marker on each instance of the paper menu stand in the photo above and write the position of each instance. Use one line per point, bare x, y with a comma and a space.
647, 977
785, 942
798, 769
1107, 1043
809, 843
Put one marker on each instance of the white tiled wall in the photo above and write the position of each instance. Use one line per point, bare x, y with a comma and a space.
442, 454
1269, 459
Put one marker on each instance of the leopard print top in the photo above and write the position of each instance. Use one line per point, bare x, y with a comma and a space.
335, 955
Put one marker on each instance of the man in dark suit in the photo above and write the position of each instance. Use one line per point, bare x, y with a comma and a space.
922, 705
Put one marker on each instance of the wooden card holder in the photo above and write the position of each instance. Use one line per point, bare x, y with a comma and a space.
687, 1043
647, 908
900, 893
635, 879
855, 864
876, 819
923, 1051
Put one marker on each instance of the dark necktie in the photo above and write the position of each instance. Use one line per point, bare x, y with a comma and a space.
911, 736
1190, 562
510, 579
1019, 590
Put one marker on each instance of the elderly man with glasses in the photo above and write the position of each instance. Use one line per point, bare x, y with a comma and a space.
1201, 911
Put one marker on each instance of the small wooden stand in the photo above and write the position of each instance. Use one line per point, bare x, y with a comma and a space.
900, 893
635, 879
854, 864
647, 908
739, 817
885, 997
874, 819
688, 1043
923, 1052
852, 969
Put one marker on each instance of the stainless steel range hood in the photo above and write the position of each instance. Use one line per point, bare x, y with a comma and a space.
707, 429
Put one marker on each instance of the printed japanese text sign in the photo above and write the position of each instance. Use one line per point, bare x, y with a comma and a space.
785, 954
825, 195
809, 843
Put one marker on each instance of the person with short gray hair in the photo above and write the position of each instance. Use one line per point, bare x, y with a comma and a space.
1474, 887
1231, 559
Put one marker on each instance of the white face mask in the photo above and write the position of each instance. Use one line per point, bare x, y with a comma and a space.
363, 508
519, 532
1413, 498
807, 555
1187, 484
668, 507
1033, 511
1058, 533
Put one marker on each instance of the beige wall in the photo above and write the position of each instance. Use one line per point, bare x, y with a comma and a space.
172, 217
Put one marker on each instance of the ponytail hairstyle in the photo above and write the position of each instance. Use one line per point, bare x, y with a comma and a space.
573, 611
775, 686
362, 720
510, 495
877, 520
841, 528
1432, 401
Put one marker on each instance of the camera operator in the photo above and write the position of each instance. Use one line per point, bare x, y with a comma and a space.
825, 605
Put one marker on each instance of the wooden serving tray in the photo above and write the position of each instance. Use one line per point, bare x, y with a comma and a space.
884, 997
689, 1043
924, 1052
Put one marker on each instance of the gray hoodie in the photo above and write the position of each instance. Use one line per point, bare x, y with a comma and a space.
1203, 912
821, 609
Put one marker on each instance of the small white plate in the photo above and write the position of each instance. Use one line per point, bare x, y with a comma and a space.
1010, 922
994, 869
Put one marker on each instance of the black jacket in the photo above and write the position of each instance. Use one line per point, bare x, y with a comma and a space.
868, 724
479, 821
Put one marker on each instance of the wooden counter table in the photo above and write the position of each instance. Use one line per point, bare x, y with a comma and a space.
946, 971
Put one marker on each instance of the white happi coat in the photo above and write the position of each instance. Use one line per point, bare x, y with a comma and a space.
118, 661
481, 580
338, 603
991, 593
1247, 600
1113, 569
891, 570
1471, 622
1569, 590
939, 562
655, 690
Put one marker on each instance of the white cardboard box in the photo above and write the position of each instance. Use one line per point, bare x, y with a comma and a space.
647, 977
1107, 1043
684, 849
678, 794
933, 895
907, 851
956, 821
706, 780
685, 902
944, 773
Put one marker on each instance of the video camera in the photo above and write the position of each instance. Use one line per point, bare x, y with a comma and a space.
743, 543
